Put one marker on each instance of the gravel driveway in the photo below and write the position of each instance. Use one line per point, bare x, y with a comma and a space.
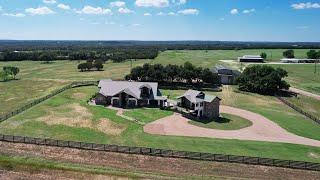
262, 129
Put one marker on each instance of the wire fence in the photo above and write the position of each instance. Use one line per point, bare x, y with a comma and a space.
39, 100
152, 151
163, 152
298, 109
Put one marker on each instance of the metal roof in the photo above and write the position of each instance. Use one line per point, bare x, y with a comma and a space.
112, 88
193, 96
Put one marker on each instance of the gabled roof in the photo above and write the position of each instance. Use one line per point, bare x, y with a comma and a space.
193, 96
112, 88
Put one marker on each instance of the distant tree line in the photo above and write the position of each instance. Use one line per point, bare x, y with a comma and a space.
186, 73
115, 55
91, 65
8, 73
311, 54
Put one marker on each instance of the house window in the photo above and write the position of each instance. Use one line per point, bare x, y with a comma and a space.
145, 92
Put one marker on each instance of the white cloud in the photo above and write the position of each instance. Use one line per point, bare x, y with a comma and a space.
172, 14
234, 11
160, 14
152, 3
189, 12
248, 11
182, 2
125, 11
14, 15
110, 23
179, 2
307, 5
117, 4
1, 8
63, 6
135, 25
50, 1
147, 14
39, 11
303, 27
94, 10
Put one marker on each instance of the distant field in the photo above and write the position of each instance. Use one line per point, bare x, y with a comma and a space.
302, 76
37, 79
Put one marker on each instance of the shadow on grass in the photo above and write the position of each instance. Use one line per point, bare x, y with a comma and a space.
221, 120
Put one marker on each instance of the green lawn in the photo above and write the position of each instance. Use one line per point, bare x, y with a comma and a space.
38, 79
67, 116
302, 76
146, 115
306, 103
226, 122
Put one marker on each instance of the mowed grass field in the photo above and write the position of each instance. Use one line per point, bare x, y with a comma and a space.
68, 116
303, 76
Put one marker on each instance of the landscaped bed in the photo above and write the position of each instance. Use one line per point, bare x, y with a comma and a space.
68, 116
226, 122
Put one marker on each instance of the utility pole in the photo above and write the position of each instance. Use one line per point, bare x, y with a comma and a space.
315, 66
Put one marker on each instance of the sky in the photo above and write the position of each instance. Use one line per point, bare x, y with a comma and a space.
213, 20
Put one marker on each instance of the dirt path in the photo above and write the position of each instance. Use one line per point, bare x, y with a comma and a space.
262, 129
182, 168
309, 94
120, 112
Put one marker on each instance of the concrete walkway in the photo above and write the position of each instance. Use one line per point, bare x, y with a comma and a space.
262, 129
309, 94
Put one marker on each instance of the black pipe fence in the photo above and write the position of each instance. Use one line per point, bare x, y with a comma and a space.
163, 152
299, 110
39, 100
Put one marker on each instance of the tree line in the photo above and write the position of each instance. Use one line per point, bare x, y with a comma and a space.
115, 55
311, 54
187, 73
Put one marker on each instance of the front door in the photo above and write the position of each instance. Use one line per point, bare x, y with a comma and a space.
123, 100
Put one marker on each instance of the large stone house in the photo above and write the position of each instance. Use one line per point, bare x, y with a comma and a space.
127, 94
200, 104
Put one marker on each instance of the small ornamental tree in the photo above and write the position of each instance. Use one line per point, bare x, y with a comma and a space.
313, 54
3, 76
98, 64
12, 71
264, 55
262, 79
288, 54
82, 67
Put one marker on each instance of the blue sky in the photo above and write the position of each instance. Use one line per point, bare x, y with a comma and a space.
228, 20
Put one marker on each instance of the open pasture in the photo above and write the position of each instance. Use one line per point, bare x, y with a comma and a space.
55, 118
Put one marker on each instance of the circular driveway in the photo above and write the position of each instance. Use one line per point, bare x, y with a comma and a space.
262, 129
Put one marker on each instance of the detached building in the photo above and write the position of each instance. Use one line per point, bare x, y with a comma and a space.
226, 75
251, 58
293, 60
127, 94
200, 104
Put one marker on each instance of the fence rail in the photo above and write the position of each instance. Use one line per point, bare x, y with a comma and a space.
39, 100
163, 152
299, 110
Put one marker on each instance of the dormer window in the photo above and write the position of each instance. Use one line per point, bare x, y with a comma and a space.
146, 91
